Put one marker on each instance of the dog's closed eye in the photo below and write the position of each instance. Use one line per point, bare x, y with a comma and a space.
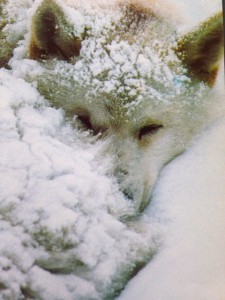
148, 130
85, 122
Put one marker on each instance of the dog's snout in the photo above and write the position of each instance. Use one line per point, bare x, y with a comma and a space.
122, 177
121, 174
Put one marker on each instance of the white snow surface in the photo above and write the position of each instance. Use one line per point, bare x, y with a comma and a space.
62, 234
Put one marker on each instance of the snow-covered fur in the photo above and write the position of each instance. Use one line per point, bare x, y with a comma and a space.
96, 98
126, 76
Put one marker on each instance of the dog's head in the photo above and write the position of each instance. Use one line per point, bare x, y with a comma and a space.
129, 79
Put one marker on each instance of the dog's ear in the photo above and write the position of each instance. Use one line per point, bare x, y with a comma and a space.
51, 34
201, 49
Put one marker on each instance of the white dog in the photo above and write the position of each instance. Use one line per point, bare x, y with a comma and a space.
130, 80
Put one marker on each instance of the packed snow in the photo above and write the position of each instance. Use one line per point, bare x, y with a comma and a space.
65, 226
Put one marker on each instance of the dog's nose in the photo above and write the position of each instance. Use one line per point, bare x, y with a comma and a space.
140, 196
128, 194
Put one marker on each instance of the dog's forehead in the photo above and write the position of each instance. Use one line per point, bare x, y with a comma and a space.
125, 61
111, 111
127, 57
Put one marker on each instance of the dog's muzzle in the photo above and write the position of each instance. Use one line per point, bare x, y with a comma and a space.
133, 188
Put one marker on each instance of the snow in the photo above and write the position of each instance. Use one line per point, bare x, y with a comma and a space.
62, 228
